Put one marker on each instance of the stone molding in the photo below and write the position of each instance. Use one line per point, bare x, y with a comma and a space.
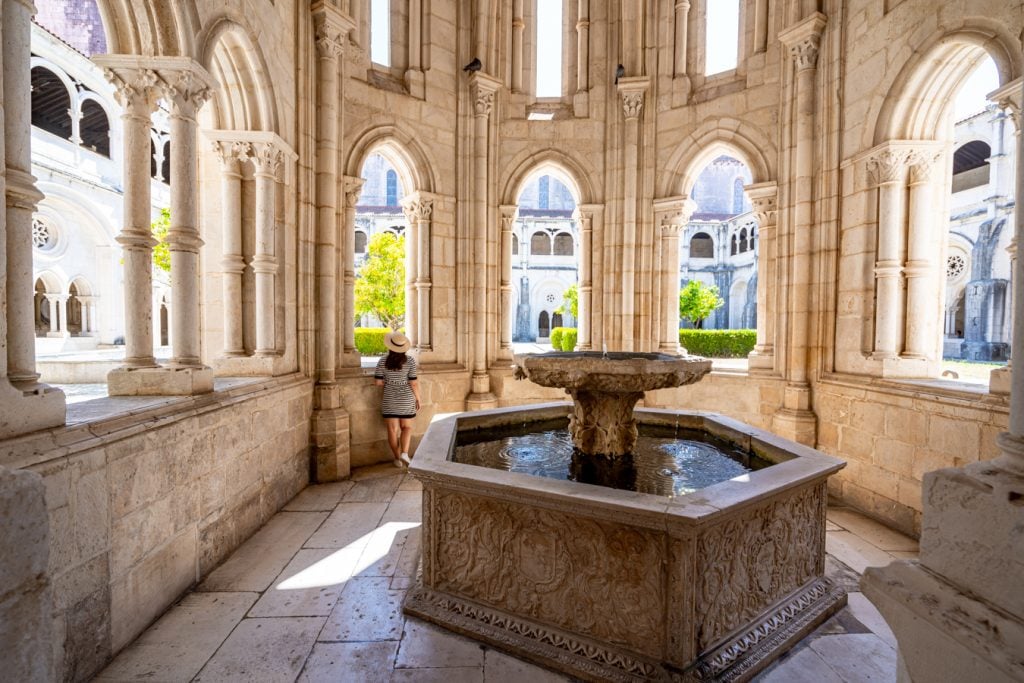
765, 199
352, 187
675, 213
483, 87
230, 154
267, 158
802, 40
250, 139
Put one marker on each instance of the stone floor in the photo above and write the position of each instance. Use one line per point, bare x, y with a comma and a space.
316, 595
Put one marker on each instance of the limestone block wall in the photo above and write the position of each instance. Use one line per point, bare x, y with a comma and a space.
141, 506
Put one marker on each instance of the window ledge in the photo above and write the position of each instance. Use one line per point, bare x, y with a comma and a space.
943, 391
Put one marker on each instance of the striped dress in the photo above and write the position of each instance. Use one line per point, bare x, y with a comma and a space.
399, 401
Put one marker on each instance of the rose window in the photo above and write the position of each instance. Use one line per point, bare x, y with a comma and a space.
551, 298
955, 266
42, 236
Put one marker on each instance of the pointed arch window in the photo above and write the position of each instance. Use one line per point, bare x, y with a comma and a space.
391, 188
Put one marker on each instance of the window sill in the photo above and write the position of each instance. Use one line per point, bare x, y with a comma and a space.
943, 391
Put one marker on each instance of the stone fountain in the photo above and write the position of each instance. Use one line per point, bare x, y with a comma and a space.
619, 585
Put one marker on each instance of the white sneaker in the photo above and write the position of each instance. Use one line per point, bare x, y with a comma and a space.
397, 463
405, 459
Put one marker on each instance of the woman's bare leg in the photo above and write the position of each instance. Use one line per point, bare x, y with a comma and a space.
406, 427
394, 429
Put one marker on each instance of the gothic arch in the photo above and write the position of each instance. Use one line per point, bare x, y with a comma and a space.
528, 166
414, 167
245, 99
732, 137
150, 27
920, 95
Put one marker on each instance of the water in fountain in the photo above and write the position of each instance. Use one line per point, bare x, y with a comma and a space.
668, 461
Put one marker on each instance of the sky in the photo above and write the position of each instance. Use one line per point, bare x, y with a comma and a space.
971, 98
549, 48
380, 32
723, 36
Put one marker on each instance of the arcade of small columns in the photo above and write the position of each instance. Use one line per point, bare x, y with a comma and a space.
58, 304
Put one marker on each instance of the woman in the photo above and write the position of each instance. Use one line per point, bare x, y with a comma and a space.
396, 372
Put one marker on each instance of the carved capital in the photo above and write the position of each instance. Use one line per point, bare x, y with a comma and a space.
482, 88
231, 152
186, 90
483, 102
352, 187
632, 104
921, 163
803, 40
136, 89
267, 158
330, 41
675, 215
509, 214
886, 166
1009, 98
805, 52
418, 209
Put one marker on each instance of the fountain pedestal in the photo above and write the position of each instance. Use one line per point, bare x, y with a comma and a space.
603, 423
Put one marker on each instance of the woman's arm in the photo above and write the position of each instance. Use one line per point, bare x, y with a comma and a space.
415, 386
379, 382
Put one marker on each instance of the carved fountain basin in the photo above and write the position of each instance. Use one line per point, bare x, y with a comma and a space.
612, 585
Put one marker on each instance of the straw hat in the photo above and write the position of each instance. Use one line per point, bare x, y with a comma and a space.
397, 342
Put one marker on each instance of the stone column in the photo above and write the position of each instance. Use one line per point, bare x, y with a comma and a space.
418, 211
675, 215
764, 198
887, 172
632, 91
267, 159
231, 154
411, 264
137, 92
795, 419
53, 303
62, 308
186, 90
330, 421
584, 216
352, 187
682, 12
414, 79
517, 46
920, 270
482, 89
582, 46
509, 214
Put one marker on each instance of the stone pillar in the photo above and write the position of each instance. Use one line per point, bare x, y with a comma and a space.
764, 198
52, 301
920, 270
517, 46
414, 79
509, 214
675, 214
267, 159
186, 90
584, 216
411, 264
632, 91
231, 154
581, 100
958, 611
482, 89
62, 308
796, 420
887, 171
330, 428
419, 208
682, 13
352, 187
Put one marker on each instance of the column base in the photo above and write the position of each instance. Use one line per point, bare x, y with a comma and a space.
330, 436
159, 381
480, 396
906, 367
29, 408
671, 349
999, 381
796, 420
57, 335
248, 366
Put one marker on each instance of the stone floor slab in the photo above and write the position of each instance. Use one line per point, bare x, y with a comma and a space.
265, 650
500, 668
405, 506
319, 497
384, 469
309, 586
368, 610
350, 662
801, 665
457, 674
424, 646
858, 658
854, 551
873, 532
866, 613
260, 559
177, 646
383, 552
350, 523
376, 490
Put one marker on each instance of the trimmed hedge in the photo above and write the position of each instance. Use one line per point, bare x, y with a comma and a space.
718, 343
370, 341
556, 338
569, 339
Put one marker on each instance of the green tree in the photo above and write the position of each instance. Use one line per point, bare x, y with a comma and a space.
570, 298
697, 301
162, 251
380, 283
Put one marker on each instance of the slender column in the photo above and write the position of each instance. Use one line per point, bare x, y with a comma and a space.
329, 50
267, 159
887, 169
582, 46
138, 94
804, 53
352, 187
186, 92
584, 216
411, 266
632, 91
1011, 442
509, 214
517, 45
418, 211
920, 268
93, 327
763, 197
483, 89
675, 215
232, 262
682, 13
415, 34
62, 308
51, 300
760, 25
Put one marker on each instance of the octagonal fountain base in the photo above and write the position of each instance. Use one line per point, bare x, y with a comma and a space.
613, 585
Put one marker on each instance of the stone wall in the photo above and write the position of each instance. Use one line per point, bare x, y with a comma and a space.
142, 506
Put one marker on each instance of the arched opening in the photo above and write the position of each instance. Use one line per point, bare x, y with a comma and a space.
74, 305
556, 320
563, 244
743, 240
51, 103
384, 292
543, 326
165, 164
94, 128
153, 161
42, 309
540, 244
732, 246
702, 246
165, 327
970, 165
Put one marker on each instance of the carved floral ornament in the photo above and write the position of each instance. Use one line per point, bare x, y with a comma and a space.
329, 41
231, 151
921, 163
887, 166
186, 91
765, 210
805, 52
267, 157
134, 87
419, 209
352, 187
483, 101
632, 104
